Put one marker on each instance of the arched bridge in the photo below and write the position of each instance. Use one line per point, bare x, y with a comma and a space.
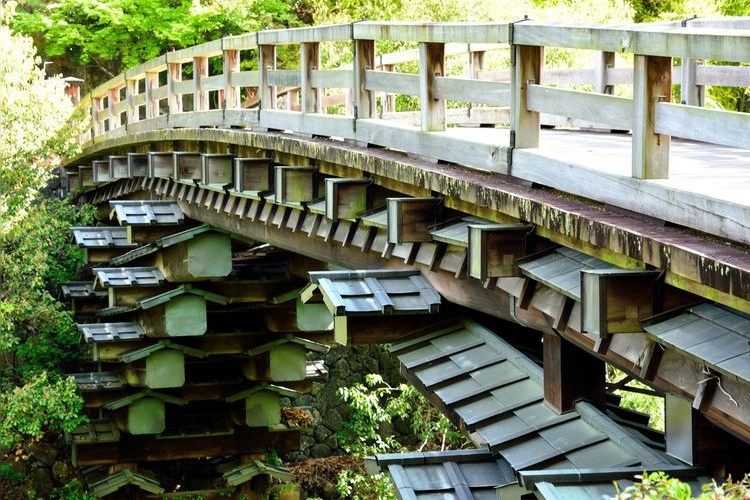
589, 205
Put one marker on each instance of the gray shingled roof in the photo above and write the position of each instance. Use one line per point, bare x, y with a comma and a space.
457, 232
129, 276
456, 474
402, 291
110, 332
101, 237
147, 213
81, 290
495, 392
711, 334
98, 381
561, 269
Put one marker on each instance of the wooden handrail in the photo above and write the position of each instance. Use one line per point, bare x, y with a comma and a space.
154, 94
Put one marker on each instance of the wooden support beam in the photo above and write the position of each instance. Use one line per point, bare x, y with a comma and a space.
160, 164
100, 171
346, 198
86, 175
603, 63
651, 358
409, 219
494, 248
254, 174
217, 168
527, 69
571, 374
616, 300
652, 83
295, 184
131, 91
431, 66
118, 167
187, 166
113, 115
150, 449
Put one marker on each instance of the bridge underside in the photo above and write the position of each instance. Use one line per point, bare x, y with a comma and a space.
671, 269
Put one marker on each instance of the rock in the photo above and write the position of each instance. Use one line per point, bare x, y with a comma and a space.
61, 472
321, 433
305, 443
334, 421
43, 452
320, 450
41, 482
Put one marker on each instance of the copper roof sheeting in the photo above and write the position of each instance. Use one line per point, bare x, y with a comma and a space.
711, 334
371, 292
101, 237
147, 213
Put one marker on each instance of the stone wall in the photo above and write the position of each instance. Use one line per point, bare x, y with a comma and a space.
346, 366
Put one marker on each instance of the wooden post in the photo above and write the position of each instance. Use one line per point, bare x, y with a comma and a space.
114, 116
131, 91
604, 61
431, 65
571, 374
200, 71
232, 98
173, 76
527, 68
267, 63
692, 94
364, 59
152, 104
97, 104
312, 98
389, 100
652, 83
476, 63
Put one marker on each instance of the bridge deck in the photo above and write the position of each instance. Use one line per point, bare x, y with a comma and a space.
702, 169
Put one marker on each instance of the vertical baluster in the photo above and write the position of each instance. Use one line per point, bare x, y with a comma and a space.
431, 65
527, 69
652, 83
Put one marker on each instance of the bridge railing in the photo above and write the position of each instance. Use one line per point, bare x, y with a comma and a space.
183, 88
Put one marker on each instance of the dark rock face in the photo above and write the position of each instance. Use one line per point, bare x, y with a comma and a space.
346, 366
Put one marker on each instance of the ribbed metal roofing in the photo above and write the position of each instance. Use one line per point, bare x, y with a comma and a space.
370, 292
101, 237
457, 232
110, 332
711, 334
81, 290
164, 242
99, 381
129, 276
495, 393
147, 213
561, 269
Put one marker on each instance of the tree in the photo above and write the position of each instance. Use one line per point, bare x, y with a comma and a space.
37, 336
97, 39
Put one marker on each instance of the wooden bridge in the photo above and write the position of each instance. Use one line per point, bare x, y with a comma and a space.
586, 205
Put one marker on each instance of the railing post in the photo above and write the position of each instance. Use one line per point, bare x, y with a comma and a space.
431, 65
200, 71
267, 63
97, 105
174, 75
364, 59
312, 98
389, 100
652, 83
604, 61
231, 65
476, 63
152, 105
73, 89
131, 91
114, 117
527, 69
692, 94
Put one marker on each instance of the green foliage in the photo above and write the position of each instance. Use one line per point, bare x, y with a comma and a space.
354, 486
42, 404
73, 490
375, 404
111, 35
34, 121
653, 406
659, 486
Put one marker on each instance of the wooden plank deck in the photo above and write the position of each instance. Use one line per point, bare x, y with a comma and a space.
708, 187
